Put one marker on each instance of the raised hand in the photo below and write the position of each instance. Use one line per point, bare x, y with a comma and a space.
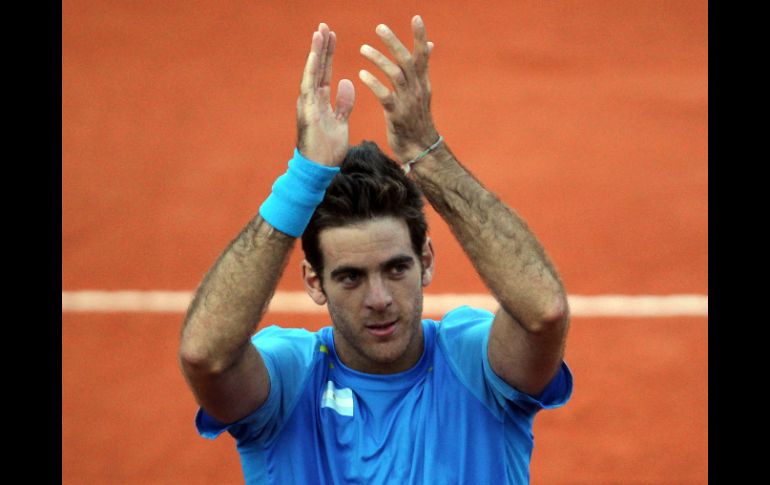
322, 132
407, 107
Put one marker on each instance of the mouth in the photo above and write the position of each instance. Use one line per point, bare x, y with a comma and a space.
382, 329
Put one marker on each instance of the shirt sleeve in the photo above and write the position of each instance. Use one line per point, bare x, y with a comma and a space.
464, 336
288, 355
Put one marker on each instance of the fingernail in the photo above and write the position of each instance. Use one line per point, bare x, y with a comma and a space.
418, 20
382, 29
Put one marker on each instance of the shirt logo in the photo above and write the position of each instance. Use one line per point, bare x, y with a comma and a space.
340, 400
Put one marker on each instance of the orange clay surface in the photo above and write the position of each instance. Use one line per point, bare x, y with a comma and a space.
590, 118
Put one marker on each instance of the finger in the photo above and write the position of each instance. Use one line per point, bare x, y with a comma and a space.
346, 96
383, 94
395, 73
324, 30
421, 49
425, 78
403, 57
326, 78
309, 75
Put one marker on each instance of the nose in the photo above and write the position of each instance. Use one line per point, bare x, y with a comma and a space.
378, 296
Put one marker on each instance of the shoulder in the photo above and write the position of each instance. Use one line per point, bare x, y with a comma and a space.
288, 346
464, 322
466, 314
275, 335
462, 335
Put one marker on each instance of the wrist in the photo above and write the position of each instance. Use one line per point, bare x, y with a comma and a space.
321, 149
410, 145
434, 162
296, 194
423, 153
316, 156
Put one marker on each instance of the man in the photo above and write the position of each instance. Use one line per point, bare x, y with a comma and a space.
381, 396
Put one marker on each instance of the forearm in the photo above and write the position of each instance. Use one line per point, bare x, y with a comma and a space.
234, 295
503, 250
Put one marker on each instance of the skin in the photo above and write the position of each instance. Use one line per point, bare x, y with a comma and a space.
529, 331
225, 372
373, 276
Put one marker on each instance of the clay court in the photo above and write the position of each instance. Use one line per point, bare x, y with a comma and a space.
590, 118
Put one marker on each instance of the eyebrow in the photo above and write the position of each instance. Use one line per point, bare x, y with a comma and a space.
394, 261
400, 259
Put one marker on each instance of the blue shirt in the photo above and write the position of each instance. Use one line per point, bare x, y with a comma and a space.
449, 419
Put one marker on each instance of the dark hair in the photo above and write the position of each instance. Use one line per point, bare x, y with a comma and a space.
369, 185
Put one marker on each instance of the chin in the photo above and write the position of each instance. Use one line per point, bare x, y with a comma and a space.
393, 352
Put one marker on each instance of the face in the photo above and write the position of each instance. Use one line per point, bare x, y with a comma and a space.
372, 285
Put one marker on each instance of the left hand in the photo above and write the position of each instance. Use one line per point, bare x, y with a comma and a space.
407, 108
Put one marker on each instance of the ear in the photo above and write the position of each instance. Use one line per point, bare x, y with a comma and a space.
313, 283
428, 259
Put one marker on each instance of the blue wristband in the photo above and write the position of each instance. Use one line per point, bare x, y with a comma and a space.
296, 194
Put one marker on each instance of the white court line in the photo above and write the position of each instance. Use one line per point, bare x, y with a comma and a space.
434, 304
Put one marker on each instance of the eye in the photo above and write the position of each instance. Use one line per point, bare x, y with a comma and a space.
350, 279
399, 269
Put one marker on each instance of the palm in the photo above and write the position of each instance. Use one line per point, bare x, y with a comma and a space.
322, 131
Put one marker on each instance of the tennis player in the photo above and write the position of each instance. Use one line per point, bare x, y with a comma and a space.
382, 395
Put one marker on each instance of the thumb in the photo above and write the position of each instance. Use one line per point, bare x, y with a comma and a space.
346, 96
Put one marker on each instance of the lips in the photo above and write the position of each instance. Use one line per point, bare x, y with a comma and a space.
382, 329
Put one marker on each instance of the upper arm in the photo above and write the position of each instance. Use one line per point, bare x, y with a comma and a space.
524, 359
253, 397
234, 392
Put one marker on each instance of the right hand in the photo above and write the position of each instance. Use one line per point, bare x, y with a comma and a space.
322, 132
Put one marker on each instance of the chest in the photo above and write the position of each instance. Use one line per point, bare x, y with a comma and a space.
394, 424
434, 427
